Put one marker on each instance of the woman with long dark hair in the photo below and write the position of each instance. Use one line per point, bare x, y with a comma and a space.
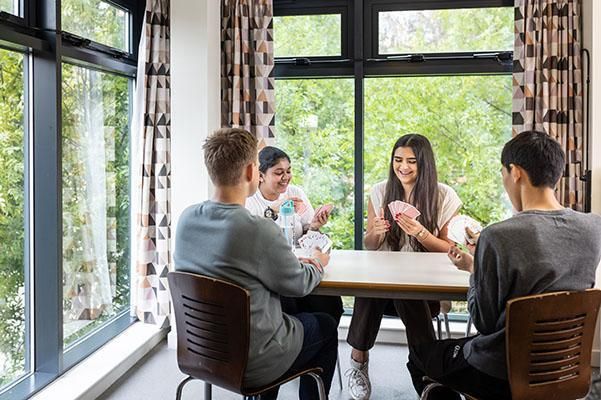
412, 178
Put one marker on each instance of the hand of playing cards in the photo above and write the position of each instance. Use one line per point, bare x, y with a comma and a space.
400, 207
315, 240
457, 229
325, 209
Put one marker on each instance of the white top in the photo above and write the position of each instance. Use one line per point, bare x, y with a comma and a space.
448, 205
257, 204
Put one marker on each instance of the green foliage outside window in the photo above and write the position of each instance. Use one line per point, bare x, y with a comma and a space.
12, 223
96, 20
8, 6
322, 39
104, 23
86, 92
450, 30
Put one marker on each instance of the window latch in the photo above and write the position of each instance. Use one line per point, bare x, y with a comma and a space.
302, 61
413, 58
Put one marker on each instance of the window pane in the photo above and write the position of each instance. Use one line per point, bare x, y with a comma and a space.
12, 224
466, 118
315, 126
95, 199
307, 35
455, 30
10, 6
98, 21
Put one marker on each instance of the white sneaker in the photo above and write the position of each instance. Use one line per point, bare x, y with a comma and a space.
359, 386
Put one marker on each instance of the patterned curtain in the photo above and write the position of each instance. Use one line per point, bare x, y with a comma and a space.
247, 74
547, 82
154, 145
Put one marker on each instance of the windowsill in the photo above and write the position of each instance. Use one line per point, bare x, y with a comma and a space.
95, 374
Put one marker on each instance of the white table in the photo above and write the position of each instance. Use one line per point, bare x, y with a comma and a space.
426, 276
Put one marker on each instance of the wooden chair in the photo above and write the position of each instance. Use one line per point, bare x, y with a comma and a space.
213, 330
549, 339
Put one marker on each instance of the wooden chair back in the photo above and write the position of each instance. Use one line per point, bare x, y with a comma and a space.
549, 341
213, 328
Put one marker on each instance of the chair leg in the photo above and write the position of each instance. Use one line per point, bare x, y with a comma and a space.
180, 387
468, 330
320, 386
446, 325
438, 326
339, 371
428, 389
208, 391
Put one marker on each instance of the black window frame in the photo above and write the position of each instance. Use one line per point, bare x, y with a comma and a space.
37, 34
364, 61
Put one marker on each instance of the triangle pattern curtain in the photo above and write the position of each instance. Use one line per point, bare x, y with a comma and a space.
153, 236
547, 82
247, 67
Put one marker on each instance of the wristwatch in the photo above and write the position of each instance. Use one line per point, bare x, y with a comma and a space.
270, 213
421, 234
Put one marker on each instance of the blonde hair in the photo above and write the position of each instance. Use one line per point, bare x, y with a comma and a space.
226, 152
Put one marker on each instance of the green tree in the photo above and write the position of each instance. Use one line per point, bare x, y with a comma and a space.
12, 222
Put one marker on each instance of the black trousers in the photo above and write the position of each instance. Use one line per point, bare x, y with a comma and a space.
367, 316
443, 361
320, 349
331, 305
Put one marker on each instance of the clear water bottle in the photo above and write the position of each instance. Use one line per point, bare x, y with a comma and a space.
286, 221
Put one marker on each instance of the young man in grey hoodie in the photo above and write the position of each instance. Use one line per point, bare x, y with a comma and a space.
221, 239
543, 248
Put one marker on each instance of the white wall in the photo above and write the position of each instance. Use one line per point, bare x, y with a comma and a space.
195, 100
195, 107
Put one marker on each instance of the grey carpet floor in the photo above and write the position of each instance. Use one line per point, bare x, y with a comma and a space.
156, 377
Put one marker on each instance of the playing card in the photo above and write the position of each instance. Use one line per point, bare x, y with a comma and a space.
412, 212
456, 229
326, 208
400, 207
313, 240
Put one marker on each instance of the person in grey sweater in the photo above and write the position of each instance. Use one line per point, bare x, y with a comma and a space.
221, 239
543, 248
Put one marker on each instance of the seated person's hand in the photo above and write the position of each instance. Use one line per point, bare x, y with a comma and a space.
319, 219
410, 226
318, 259
462, 260
473, 239
381, 224
299, 205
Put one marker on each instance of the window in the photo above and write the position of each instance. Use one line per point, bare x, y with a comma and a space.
82, 17
13, 298
64, 183
315, 126
95, 199
446, 31
442, 69
10, 6
292, 38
